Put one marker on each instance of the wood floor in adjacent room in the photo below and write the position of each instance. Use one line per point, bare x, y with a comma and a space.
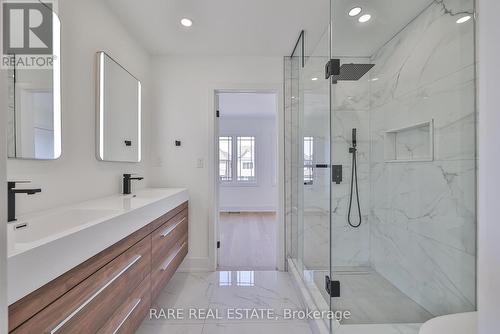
248, 241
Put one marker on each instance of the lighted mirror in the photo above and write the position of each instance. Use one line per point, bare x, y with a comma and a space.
34, 112
118, 112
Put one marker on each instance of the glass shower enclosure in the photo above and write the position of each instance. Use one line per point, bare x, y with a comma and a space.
380, 162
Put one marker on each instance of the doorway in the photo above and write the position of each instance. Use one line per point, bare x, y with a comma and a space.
247, 187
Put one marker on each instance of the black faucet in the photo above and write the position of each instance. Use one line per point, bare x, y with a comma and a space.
11, 196
126, 183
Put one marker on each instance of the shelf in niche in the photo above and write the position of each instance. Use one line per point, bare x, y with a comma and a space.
413, 143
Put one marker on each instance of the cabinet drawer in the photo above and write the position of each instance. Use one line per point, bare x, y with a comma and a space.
130, 314
91, 303
169, 215
162, 274
27, 307
165, 237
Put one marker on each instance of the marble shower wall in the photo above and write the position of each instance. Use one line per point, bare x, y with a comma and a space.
351, 110
351, 106
423, 217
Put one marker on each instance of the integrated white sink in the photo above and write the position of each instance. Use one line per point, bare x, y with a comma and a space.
45, 245
29, 232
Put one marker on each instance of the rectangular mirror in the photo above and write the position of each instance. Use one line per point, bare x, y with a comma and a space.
34, 112
118, 112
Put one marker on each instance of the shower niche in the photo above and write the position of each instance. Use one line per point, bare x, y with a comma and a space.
410, 143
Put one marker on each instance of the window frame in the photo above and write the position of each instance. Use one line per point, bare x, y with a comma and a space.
230, 159
234, 162
308, 163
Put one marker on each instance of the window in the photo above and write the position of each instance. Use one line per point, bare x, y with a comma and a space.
244, 164
308, 160
225, 158
246, 159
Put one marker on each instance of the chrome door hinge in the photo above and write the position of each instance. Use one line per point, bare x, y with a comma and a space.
332, 287
332, 68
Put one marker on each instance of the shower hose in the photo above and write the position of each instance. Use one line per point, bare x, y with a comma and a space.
354, 181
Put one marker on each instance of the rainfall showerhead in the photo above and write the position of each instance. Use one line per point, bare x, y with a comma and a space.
352, 72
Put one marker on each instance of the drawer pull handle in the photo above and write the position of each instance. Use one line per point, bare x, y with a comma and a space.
172, 257
75, 312
128, 315
171, 228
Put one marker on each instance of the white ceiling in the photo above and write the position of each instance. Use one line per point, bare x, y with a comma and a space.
260, 27
247, 105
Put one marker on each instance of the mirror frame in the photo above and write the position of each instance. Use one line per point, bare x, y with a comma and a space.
100, 110
56, 92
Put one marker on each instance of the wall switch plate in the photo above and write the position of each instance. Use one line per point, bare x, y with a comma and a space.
200, 163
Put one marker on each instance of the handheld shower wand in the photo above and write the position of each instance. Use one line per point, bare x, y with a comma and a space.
354, 180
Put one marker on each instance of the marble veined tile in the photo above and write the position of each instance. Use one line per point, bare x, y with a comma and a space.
436, 200
379, 329
445, 101
430, 48
252, 328
159, 327
228, 289
350, 245
316, 241
184, 291
259, 289
437, 277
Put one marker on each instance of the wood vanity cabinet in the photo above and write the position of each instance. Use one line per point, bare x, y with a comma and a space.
112, 291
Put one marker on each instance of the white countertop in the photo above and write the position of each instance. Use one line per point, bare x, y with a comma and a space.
54, 241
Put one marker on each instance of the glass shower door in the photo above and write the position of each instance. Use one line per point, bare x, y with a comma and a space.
308, 164
314, 111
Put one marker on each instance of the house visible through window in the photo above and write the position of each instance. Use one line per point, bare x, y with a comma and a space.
244, 164
308, 160
225, 158
246, 158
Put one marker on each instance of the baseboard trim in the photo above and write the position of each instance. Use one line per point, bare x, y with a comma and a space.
249, 209
195, 264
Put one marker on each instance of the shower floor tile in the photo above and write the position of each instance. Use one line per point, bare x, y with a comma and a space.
372, 299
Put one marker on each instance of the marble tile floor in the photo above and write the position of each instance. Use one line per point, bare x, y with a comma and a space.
224, 291
379, 329
248, 241
372, 299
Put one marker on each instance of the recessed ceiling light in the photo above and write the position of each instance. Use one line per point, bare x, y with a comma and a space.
314, 79
186, 22
355, 11
364, 18
464, 19
374, 79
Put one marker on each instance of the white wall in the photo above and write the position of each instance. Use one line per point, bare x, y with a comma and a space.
184, 109
87, 26
489, 165
263, 195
